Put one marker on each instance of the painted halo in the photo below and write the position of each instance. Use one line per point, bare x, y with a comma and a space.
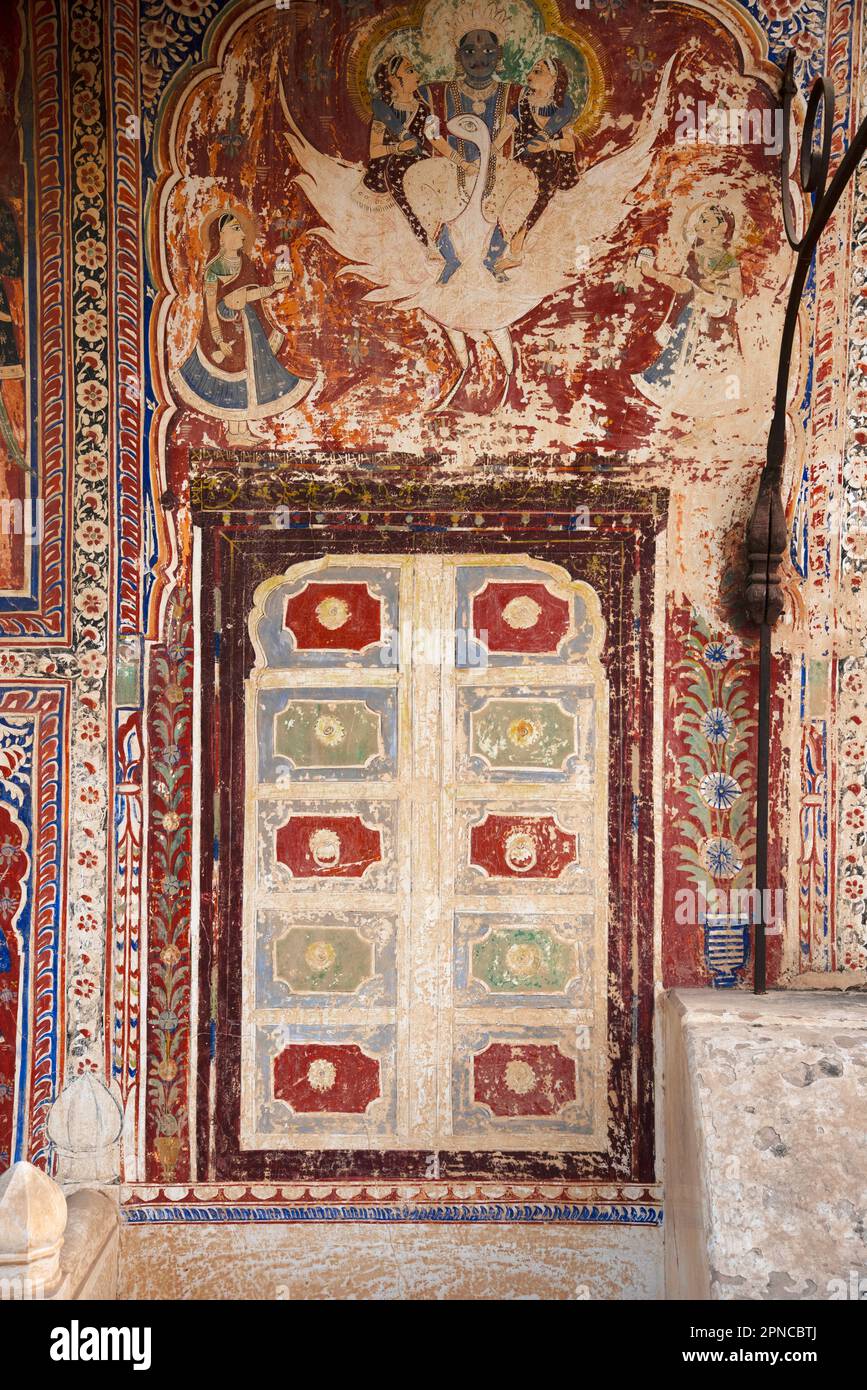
402, 41
445, 22
694, 213
248, 225
528, 29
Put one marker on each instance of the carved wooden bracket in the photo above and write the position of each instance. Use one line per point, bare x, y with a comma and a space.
767, 537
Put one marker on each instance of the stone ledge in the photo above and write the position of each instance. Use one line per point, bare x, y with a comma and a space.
89, 1260
55, 1246
765, 1112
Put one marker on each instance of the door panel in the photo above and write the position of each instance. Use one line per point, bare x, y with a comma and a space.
410, 974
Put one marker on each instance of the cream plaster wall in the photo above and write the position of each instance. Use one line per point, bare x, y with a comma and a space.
318, 1261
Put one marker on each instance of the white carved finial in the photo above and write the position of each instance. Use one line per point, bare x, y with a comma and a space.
32, 1223
84, 1126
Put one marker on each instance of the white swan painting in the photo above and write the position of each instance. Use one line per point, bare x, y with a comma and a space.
472, 302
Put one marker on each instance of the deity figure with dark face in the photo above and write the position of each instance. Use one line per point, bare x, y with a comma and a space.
438, 189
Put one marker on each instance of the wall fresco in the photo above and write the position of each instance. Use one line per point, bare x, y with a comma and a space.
595, 289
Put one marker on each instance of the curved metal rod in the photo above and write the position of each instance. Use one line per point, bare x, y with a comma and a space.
765, 542
814, 172
767, 536
813, 164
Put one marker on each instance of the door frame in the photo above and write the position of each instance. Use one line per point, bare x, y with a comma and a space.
255, 524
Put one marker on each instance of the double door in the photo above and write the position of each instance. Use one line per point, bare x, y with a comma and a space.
425, 858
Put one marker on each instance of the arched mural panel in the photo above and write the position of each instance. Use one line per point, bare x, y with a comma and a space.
578, 264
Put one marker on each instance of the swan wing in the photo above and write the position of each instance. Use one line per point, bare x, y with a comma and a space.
377, 241
625, 169
575, 227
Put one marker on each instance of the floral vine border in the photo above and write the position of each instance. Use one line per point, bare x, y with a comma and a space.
169, 740
852, 845
16, 915
32, 778
91, 563
851, 691
798, 24
80, 87
171, 32
718, 726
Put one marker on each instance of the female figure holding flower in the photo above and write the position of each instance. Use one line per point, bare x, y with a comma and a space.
233, 372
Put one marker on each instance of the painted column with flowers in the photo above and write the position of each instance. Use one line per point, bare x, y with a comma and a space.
709, 845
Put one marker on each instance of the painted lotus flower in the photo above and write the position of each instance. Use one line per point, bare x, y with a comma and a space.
853, 750
92, 665
329, 730
719, 790
91, 395
719, 652
90, 253
90, 177
716, 654
721, 857
716, 725
11, 664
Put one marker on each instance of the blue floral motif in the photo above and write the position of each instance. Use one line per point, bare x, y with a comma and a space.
716, 654
716, 725
719, 790
722, 857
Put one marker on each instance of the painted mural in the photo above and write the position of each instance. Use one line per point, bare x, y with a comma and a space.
379, 226
13, 317
461, 287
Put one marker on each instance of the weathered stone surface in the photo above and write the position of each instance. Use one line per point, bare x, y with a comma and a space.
765, 1117
314, 1261
53, 1246
89, 1266
32, 1222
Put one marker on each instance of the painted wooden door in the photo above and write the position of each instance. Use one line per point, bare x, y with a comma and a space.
425, 858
